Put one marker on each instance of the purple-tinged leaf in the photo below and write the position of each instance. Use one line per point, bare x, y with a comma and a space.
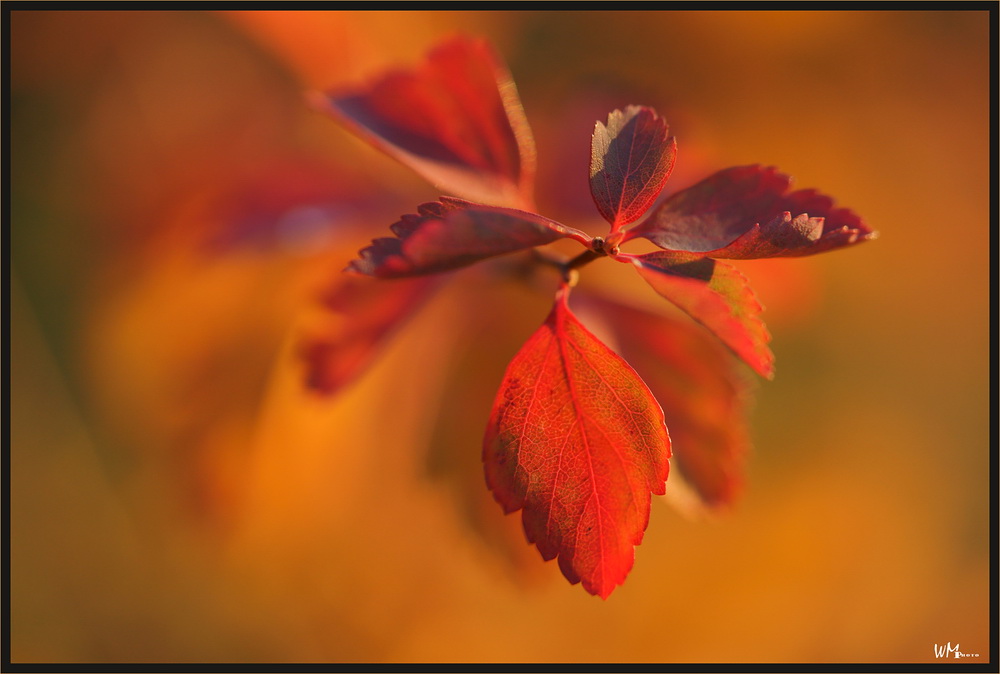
788, 236
289, 202
747, 212
456, 120
715, 294
715, 211
631, 158
452, 233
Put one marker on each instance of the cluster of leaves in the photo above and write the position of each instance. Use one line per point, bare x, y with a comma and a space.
577, 440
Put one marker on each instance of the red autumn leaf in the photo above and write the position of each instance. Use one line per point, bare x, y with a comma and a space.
631, 157
703, 396
285, 201
788, 236
578, 442
715, 294
456, 120
452, 233
369, 311
746, 212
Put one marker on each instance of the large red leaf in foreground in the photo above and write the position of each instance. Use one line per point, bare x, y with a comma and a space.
452, 233
747, 212
716, 295
631, 157
456, 120
578, 442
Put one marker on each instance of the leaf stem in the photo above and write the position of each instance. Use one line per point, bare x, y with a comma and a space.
568, 268
583, 258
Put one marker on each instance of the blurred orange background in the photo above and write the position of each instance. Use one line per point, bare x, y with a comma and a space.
176, 495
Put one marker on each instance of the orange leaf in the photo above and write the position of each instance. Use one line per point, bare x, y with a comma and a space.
578, 442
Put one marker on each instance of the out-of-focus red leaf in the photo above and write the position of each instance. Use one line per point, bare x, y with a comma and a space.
703, 396
630, 159
578, 442
456, 120
288, 202
715, 294
746, 212
370, 311
452, 233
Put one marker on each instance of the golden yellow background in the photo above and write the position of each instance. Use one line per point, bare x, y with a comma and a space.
177, 496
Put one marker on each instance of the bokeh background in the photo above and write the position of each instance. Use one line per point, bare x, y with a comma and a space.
176, 209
